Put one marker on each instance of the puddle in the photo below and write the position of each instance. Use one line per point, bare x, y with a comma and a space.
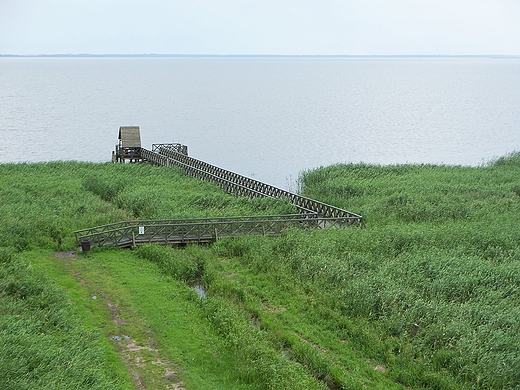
201, 291
61, 255
119, 338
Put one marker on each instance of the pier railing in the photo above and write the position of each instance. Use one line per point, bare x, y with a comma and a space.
313, 214
179, 148
241, 185
198, 230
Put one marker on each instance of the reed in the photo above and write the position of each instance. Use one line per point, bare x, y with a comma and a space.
425, 296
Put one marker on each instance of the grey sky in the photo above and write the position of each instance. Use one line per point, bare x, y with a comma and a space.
362, 27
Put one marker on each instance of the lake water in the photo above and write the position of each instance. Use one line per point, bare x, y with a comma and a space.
266, 118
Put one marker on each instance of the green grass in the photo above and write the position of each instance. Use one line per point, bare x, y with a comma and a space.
158, 313
441, 250
426, 296
44, 343
47, 201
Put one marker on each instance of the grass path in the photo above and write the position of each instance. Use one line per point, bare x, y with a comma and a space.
144, 362
151, 321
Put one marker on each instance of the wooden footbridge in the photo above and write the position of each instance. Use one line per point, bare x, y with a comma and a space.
312, 213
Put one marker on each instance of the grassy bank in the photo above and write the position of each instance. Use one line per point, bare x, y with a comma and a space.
426, 296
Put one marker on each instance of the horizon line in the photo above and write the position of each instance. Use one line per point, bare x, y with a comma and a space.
163, 55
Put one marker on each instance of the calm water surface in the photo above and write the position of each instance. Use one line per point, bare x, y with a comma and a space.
268, 119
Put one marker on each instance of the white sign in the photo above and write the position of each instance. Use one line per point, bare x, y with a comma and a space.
141, 229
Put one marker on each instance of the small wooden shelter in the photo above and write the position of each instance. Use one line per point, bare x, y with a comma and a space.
129, 147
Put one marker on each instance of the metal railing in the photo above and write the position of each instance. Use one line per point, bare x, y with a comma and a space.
179, 148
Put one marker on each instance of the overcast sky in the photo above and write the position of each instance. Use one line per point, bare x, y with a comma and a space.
342, 27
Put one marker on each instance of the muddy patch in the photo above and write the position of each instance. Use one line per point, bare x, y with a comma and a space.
146, 366
380, 368
65, 254
112, 308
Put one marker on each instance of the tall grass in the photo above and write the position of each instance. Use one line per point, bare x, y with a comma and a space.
42, 203
441, 250
149, 192
42, 342
425, 296
429, 289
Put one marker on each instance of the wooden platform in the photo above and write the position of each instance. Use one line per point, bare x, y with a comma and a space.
129, 147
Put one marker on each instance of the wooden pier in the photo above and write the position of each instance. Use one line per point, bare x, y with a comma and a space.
312, 213
240, 185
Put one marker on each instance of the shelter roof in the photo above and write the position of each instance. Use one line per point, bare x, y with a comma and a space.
130, 136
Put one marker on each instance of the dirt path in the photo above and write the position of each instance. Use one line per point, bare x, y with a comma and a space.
148, 369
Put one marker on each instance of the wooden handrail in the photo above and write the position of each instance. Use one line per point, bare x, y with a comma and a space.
241, 185
130, 233
313, 214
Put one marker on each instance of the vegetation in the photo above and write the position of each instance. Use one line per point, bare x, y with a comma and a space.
48, 201
426, 296
43, 343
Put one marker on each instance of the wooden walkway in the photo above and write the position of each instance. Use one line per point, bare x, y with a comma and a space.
240, 185
313, 214
198, 230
